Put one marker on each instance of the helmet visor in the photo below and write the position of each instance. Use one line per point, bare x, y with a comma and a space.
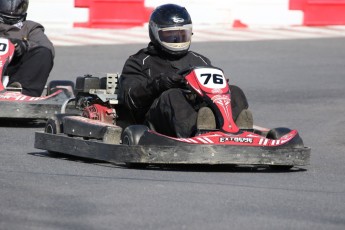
10, 19
175, 35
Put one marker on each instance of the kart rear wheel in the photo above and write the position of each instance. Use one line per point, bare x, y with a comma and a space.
131, 136
52, 126
277, 133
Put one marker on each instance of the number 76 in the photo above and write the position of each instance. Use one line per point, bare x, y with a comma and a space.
216, 78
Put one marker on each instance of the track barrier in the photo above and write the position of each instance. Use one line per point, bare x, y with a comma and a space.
114, 13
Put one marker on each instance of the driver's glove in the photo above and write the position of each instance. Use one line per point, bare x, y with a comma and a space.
168, 80
21, 46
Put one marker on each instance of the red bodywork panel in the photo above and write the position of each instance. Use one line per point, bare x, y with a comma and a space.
239, 139
6, 55
114, 13
19, 97
211, 84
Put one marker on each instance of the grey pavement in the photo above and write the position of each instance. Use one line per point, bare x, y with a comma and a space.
292, 83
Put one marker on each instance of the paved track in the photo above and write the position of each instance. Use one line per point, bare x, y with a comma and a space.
295, 83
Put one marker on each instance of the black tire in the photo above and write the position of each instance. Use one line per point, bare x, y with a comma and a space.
277, 133
54, 85
53, 126
131, 136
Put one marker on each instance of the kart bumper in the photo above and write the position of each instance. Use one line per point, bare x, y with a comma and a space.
181, 154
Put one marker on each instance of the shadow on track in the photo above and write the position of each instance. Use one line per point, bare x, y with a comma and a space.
22, 123
66, 157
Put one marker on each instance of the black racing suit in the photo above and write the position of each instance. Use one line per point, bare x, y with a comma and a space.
172, 112
32, 69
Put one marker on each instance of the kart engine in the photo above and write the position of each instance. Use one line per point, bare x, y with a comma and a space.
96, 97
100, 112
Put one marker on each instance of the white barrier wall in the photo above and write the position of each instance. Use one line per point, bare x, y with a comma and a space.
56, 13
253, 13
203, 12
271, 13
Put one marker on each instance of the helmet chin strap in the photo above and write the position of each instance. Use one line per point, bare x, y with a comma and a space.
172, 55
175, 47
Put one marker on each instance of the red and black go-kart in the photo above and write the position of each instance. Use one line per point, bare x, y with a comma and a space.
13, 104
98, 133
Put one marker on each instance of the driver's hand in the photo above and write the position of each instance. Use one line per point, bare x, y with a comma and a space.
169, 80
20, 46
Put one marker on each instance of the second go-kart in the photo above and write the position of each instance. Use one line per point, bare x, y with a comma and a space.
14, 104
99, 133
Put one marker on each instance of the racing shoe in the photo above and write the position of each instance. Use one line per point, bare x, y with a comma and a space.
206, 119
245, 119
15, 85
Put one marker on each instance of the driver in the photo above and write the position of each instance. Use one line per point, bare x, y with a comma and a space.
151, 86
34, 53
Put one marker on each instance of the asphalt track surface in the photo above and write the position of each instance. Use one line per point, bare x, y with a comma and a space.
292, 83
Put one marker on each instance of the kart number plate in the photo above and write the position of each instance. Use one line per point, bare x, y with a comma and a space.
211, 78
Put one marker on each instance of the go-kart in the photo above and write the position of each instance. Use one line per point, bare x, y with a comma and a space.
14, 104
99, 134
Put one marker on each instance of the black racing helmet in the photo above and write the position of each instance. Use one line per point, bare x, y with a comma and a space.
13, 11
170, 29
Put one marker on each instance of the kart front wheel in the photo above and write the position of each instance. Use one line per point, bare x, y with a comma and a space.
131, 136
276, 134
